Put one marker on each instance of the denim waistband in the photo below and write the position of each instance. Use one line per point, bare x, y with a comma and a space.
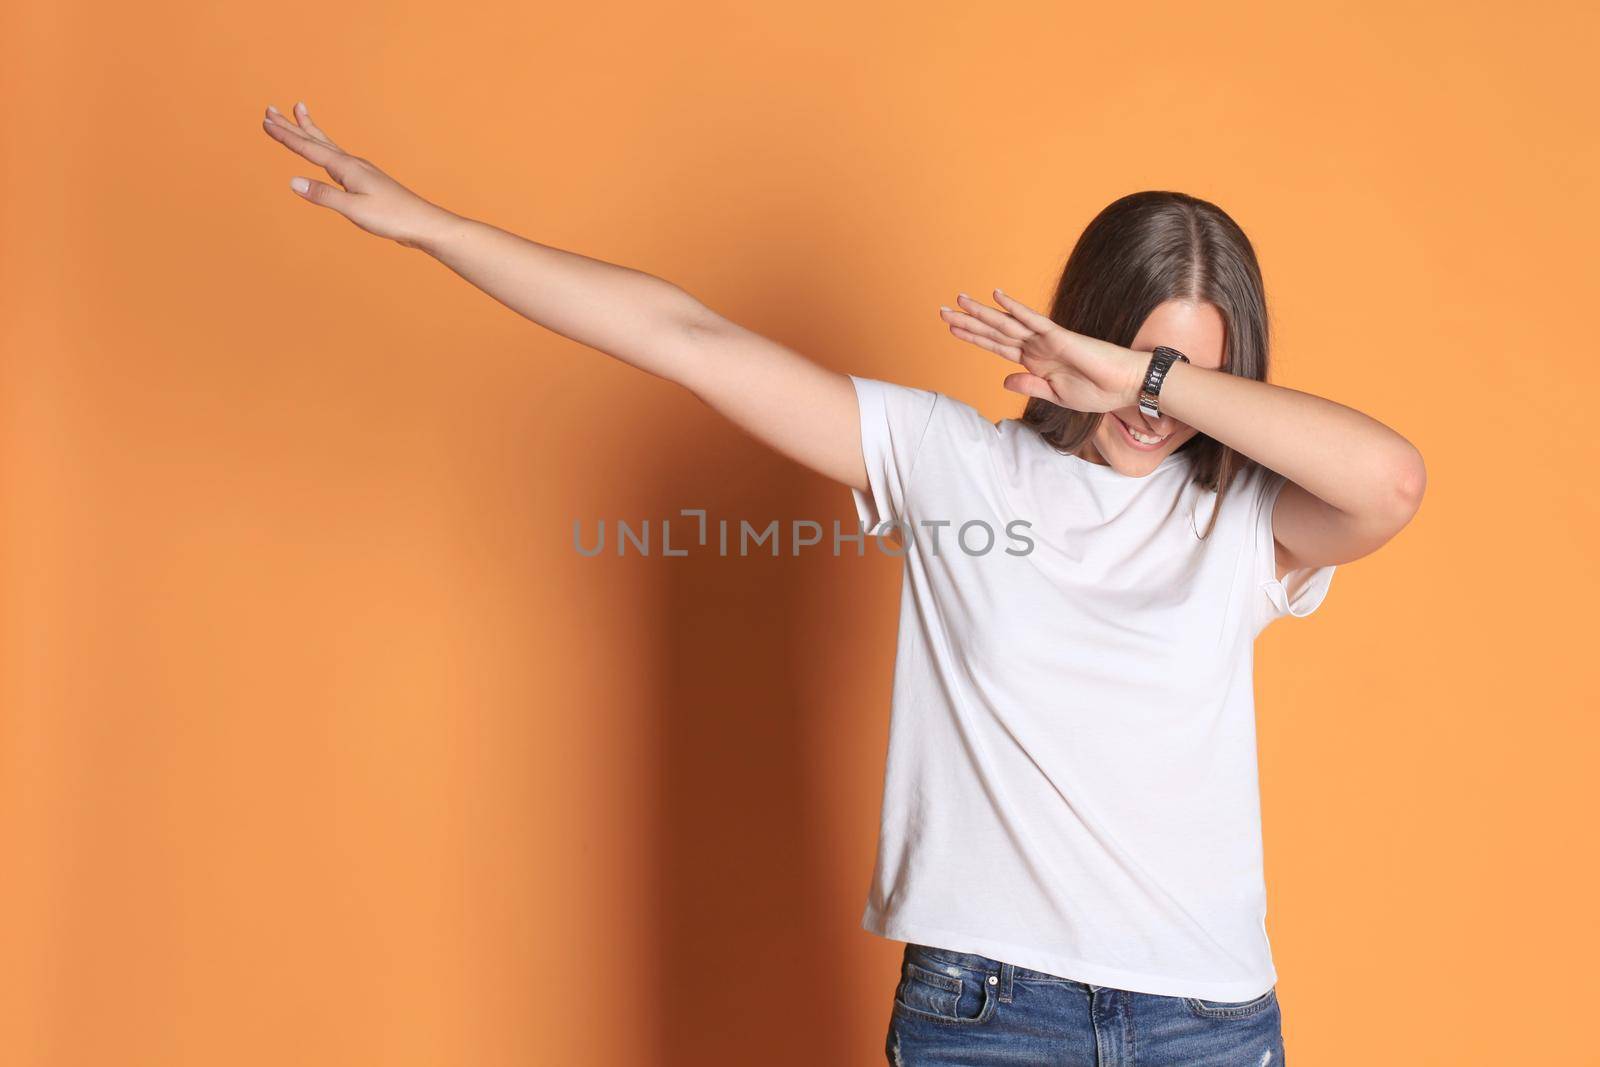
1003, 971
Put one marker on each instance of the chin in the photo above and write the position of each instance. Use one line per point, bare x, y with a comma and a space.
1137, 466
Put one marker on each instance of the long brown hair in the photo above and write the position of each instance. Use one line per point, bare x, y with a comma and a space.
1139, 252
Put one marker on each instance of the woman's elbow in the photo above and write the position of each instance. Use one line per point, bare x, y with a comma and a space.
1408, 481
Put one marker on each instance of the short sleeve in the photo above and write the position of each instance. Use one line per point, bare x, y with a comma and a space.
894, 420
1300, 591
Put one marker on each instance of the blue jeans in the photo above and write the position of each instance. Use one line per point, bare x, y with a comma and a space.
956, 1009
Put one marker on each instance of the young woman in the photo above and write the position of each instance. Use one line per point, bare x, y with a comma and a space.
1070, 840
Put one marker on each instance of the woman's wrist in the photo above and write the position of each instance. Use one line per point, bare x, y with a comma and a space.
1138, 364
436, 230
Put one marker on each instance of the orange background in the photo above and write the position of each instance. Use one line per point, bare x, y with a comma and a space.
320, 745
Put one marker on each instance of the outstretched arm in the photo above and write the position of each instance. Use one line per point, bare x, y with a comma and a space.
799, 408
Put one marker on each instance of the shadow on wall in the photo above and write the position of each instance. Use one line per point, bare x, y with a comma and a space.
743, 942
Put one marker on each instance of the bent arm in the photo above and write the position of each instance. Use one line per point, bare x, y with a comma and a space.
1352, 482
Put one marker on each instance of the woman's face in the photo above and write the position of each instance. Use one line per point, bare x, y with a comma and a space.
1196, 330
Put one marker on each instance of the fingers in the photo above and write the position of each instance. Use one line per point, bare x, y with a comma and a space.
966, 326
1031, 385
293, 138
333, 160
1009, 351
302, 115
999, 321
302, 124
324, 194
274, 116
1024, 314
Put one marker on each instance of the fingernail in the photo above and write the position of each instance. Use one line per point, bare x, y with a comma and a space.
943, 308
964, 296
272, 109
999, 292
299, 185
300, 105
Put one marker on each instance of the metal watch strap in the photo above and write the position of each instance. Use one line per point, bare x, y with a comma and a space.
1160, 361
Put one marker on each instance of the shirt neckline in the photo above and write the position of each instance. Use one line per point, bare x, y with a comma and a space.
1110, 473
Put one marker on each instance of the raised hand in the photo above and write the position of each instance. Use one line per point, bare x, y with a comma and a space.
365, 195
1065, 368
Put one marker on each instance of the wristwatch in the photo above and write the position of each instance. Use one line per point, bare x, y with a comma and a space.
1160, 361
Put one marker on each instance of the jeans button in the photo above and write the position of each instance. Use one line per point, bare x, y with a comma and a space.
993, 980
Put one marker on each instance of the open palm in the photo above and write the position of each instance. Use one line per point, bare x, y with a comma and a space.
1068, 369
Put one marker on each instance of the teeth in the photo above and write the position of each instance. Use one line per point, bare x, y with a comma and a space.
1141, 438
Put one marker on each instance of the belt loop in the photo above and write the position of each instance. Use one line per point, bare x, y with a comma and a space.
1007, 972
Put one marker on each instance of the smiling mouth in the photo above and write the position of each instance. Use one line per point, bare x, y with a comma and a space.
1147, 445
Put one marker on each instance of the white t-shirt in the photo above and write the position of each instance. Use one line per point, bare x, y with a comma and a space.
1071, 779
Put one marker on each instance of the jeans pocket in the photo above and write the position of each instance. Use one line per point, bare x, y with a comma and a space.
962, 999
1221, 1009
